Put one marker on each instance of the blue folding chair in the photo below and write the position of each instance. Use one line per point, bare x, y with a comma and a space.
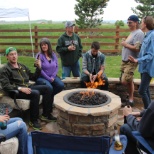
143, 143
47, 143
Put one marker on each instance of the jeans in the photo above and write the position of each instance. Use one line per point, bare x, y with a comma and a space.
16, 127
75, 68
34, 97
131, 144
102, 87
56, 86
144, 89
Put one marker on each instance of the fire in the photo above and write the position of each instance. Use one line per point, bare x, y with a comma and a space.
87, 94
96, 83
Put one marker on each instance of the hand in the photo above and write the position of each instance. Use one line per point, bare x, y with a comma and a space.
94, 77
136, 114
52, 79
25, 90
71, 48
4, 118
127, 110
132, 59
123, 43
37, 63
91, 77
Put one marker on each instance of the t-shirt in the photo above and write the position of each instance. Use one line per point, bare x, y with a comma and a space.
134, 36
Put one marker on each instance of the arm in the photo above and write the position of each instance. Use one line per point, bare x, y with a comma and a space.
56, 71
5, 76
133, 47
61, 48
84, 65
80, 46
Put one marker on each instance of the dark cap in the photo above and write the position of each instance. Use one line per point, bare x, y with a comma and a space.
133, 18
69, 24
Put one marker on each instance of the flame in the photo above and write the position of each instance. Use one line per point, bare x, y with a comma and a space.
87, 94
96, 83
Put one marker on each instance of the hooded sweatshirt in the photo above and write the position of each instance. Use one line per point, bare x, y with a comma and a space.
69, 58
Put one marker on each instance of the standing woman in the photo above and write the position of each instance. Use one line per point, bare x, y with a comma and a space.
49, 70
146, 59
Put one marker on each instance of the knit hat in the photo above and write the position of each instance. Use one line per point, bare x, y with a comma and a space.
133, 18
8, 50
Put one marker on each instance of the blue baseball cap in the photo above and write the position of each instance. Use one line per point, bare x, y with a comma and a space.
133, 18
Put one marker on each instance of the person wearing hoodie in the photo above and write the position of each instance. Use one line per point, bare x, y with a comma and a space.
49, 70
93, 67
70, 50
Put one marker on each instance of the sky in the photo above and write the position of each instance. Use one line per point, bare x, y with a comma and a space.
63, 10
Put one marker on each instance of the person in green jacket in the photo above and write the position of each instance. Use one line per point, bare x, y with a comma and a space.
70, 50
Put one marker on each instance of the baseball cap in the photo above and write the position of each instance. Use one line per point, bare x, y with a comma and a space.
8, 50
133, 18
69, 24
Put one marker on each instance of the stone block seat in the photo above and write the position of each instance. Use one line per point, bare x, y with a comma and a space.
10, 146
23, 104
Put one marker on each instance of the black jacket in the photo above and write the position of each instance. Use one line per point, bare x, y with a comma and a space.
146, 125
11, 78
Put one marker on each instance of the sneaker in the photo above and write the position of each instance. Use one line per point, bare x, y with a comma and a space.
35, 125
50, 118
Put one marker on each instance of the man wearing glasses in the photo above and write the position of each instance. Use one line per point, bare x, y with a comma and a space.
131, 47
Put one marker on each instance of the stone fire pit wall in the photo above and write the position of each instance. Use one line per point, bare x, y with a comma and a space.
78, 121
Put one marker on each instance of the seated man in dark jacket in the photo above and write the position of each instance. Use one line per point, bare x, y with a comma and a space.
16, 76
145, 126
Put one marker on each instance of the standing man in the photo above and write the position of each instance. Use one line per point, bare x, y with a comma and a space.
70, 49
131, 47
15, 76
93, 67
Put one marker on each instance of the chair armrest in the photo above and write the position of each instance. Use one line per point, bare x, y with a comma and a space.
2, 138
142, 141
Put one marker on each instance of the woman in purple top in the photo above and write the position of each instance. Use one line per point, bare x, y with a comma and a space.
49, 70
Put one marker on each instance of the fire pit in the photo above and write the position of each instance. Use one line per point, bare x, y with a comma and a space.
87, 98
93, 120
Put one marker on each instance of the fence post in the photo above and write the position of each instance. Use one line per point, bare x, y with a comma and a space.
36, 38
117, 37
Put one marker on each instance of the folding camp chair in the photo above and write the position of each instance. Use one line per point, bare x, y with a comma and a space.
47, 143
142, 143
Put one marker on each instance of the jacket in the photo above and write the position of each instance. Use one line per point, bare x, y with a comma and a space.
69, 58
11, 78
146, 125
146, 55
89, 63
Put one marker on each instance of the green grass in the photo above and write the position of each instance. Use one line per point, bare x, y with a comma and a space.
112, 65
47, 34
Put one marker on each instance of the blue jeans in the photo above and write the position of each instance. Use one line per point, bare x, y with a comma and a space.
131, 144
144, 89
75, 68
16, 127
56, 86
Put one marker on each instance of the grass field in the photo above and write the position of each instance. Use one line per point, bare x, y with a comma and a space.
112, 62
112, 65
55, 26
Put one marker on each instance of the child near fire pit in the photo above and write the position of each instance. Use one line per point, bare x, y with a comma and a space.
93, 75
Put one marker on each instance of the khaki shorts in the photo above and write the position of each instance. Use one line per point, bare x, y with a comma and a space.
127, 71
